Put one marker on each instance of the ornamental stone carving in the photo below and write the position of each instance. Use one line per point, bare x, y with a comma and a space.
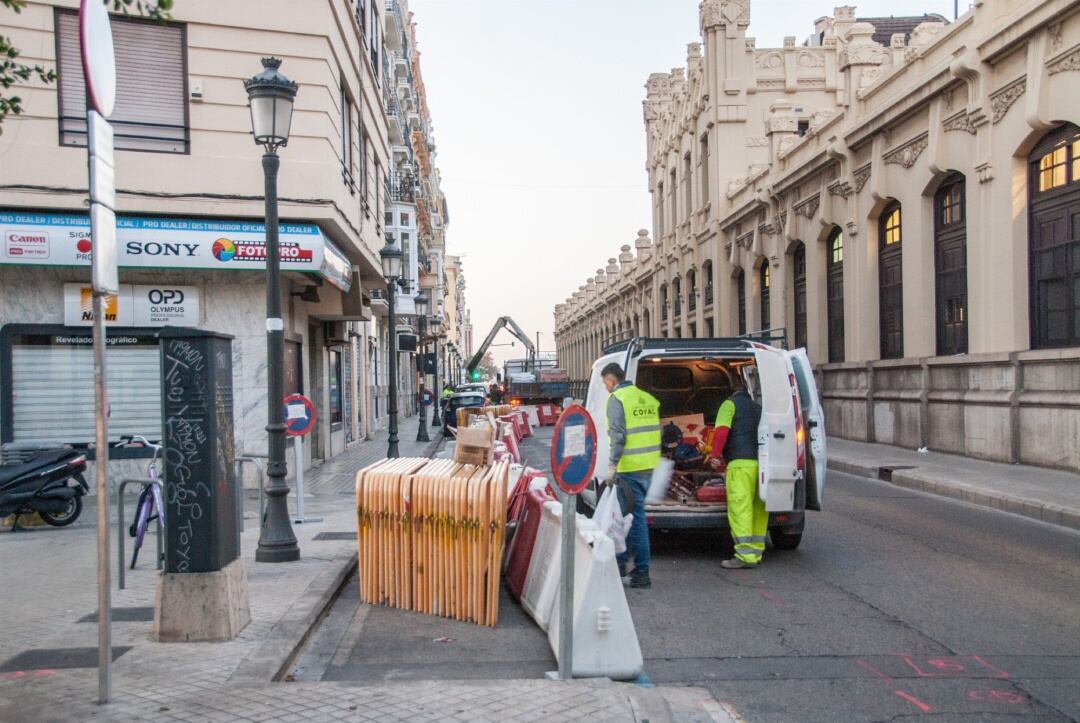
861, 176
907, 154
960, 122
810, 59
715, 13
1002, 100
1071, 61
840, 188
746, 240
922, 37
769, 60
861, 48
809, 207
757, 142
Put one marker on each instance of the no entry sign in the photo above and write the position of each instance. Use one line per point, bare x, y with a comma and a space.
573, 449
299, 415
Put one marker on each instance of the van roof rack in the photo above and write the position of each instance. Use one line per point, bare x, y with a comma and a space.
640, 344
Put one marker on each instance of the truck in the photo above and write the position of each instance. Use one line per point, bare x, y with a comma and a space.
536, 379
691, 378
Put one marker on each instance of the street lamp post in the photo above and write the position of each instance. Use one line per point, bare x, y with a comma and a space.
270, 98
390, 255
437, 412
421, 302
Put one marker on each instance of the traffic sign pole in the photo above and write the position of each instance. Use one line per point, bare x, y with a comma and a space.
299, 421
573, 459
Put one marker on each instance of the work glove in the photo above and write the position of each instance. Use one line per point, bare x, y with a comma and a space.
718, 464
611, 474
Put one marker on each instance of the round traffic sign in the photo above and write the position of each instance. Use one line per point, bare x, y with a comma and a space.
427, 397
98, 57
573, 449
299, 415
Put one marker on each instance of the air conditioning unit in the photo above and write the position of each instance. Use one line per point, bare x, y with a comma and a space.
335, 333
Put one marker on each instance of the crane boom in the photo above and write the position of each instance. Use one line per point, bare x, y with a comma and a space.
503, 322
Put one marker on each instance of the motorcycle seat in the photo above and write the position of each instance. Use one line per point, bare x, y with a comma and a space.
50, 457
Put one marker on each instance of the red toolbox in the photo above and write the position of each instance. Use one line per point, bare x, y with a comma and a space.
520, 546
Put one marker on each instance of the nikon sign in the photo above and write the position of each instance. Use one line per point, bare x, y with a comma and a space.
135, 305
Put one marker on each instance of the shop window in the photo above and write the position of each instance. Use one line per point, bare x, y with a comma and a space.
890, 283
151, 112
950, 267
46, 397
336, 406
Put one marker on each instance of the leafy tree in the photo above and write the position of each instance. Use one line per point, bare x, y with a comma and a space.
488, 367
12, 71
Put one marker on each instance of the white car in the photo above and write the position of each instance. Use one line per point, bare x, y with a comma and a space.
695, 376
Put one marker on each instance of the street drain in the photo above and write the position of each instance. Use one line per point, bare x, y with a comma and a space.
54, 658
123, 615
885, 473
335, 536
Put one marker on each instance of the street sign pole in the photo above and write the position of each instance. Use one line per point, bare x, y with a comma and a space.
299, 421
99, 72
573, 458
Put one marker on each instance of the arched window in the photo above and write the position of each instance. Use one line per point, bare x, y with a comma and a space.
798, 277
676, 293
691, 290
740, 299
1054, 239
764, 277
950, 266
834, 292
891, 282
707, 272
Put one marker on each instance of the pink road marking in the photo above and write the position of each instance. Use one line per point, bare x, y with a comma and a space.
875, 671
772, 598
913, 700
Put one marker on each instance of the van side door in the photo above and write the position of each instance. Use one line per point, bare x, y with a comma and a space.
596, 405
814, 414
777, 446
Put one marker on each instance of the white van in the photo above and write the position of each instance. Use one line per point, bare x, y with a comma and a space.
695, 376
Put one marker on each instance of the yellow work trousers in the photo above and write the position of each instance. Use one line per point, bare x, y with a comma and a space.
745, 511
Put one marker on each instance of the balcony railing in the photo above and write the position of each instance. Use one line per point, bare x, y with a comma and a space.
708, 295
401, 187
691, 301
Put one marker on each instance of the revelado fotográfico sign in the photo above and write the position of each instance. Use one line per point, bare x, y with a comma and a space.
135, 305
46, 239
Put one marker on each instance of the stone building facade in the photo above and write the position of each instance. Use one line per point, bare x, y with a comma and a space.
909, 212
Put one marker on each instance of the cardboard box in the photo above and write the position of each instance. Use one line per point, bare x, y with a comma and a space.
692, 426
474, 445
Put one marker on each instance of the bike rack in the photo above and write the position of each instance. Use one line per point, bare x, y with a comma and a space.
253, 458
120, 521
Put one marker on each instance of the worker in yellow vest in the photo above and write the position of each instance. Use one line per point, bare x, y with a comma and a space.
633, 424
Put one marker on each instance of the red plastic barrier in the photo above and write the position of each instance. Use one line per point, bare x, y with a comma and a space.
548, 414
521, 545
526, 427
511, 442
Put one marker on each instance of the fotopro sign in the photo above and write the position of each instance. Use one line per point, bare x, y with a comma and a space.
134, 305
161, 243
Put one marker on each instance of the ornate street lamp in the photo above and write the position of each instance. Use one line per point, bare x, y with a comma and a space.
421, 302
270, 98
437, 413
390, 255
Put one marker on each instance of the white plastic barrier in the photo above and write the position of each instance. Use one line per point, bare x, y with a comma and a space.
534, 415
542, 580
605, 640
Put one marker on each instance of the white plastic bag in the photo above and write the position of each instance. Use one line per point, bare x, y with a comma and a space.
661, 478
609, 518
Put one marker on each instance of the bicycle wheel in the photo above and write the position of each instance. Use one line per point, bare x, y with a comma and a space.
142, 521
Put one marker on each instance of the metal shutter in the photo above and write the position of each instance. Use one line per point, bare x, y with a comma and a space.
151, 85
53, 393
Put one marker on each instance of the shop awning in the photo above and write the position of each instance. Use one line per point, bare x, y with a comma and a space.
46, 239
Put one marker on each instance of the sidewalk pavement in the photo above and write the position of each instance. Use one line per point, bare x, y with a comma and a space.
1042, 494
48, 653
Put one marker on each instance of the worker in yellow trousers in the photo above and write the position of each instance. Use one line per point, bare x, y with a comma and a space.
735, 449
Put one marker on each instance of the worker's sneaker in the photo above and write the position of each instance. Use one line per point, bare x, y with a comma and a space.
737, 564
624, 570
636, 578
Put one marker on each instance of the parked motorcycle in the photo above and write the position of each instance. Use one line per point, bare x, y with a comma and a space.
42, 484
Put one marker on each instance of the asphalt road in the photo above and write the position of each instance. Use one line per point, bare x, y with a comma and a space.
898, 604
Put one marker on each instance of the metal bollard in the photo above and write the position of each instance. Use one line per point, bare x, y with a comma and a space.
253, 458
121, 532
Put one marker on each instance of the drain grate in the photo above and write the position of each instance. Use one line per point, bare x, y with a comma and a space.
123, 615
54, 658
885, 473
335, 536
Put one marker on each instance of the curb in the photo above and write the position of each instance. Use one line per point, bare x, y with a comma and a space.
287, 638
911, 479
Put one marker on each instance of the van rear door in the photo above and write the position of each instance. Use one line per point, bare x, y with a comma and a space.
777, 447
814, 415
596, 399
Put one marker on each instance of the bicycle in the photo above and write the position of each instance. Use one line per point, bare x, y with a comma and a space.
150, 506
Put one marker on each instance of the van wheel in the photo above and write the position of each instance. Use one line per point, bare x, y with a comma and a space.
785, 540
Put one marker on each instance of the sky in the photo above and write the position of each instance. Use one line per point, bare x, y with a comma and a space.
536, 110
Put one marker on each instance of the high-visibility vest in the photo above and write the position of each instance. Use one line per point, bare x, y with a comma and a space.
642, 412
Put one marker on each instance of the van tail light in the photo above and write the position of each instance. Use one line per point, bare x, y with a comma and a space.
800, 428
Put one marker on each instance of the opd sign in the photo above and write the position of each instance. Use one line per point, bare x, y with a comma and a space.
135, 305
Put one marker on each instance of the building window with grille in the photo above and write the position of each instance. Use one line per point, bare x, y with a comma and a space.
151, 112
703, 174
659, 211
890, 282
688, 187
798, 273
950, 267
765, 282
834, 292
676, 293
691, 294
707, 272
1054, 239
347, 141
663, 303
